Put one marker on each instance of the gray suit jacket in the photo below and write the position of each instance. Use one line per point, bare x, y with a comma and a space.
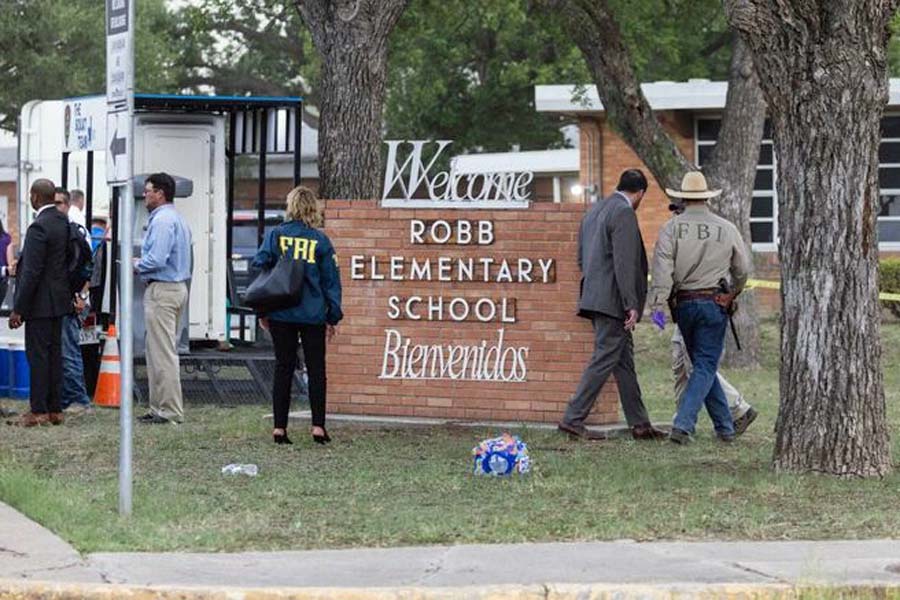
612, 260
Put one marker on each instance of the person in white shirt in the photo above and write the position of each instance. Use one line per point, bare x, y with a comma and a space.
76, 208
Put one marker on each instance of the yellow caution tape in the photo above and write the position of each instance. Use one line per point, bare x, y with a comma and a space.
759, 283
774, 285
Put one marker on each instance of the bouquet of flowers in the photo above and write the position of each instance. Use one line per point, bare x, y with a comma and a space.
501, 456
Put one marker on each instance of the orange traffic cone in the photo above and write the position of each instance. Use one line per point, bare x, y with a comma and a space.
108, 392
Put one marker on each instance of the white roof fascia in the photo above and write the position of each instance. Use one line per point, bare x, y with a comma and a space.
694, 94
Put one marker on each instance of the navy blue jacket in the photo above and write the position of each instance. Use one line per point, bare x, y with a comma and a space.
321, 297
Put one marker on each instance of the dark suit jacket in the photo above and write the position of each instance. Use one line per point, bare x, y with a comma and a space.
612, 260
42, 285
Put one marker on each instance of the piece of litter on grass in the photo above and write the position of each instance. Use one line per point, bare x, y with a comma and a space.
501, 456
240, 469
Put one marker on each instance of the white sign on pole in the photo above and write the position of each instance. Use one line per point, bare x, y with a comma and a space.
83, 124
118, 163
119, 61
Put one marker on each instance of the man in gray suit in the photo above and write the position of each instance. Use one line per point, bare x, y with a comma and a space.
614, 270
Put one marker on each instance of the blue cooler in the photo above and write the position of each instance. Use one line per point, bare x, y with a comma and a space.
20, 380
5, 369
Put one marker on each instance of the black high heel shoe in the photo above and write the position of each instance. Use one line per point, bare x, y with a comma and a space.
281, 438
322, 439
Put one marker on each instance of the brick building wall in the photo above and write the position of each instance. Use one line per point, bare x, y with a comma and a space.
558, 342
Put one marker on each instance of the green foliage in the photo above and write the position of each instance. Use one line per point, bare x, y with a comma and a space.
57, 48
258, 47
466, 72
675, 40
889, 282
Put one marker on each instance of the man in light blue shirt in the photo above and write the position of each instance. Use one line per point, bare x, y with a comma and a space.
165, 266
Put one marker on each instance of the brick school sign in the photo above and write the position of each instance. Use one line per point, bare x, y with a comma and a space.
460, 314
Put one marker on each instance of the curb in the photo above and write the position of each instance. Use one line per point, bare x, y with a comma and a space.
41, 590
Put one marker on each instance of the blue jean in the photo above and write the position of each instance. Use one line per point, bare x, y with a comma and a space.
703, 324
73, 389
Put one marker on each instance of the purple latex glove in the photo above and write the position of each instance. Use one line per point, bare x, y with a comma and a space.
659, 319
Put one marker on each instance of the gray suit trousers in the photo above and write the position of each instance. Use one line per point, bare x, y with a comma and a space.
613, 354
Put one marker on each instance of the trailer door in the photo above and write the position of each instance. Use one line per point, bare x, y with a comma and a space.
187, 150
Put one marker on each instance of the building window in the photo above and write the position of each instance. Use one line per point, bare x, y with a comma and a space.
764, 211
889, 181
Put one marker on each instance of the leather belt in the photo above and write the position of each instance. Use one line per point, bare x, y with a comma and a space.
697, 295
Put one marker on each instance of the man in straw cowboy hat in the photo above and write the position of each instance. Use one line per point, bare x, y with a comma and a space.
695, 251
741, 410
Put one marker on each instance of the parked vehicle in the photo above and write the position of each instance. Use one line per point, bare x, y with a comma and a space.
244, 243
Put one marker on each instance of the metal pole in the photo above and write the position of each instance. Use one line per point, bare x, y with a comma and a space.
263, 147
89, 193
126, 291
126, 271
298, 133
64, 176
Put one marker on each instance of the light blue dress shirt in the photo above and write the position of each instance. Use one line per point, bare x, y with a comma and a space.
166, 252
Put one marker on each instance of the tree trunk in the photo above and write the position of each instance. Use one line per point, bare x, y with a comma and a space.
822, 67
352, 38
733, 169
593, 26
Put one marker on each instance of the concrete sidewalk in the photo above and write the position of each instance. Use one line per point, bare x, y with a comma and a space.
29, 553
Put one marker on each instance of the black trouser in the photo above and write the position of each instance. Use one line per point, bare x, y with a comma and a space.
43, 348
284, 336
613, 354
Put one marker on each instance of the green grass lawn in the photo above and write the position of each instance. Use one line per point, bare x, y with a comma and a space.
401, 486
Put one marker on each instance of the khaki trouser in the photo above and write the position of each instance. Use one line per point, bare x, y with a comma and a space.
164, 302
681, 368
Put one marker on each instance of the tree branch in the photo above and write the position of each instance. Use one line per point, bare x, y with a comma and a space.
596, 32
315, 16
742, 121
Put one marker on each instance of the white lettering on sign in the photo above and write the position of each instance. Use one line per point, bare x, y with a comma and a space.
456, 309
402, 359
404, 177
457, 232
484, 361
484, 269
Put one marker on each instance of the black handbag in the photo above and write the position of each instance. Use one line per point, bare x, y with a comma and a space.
276, 288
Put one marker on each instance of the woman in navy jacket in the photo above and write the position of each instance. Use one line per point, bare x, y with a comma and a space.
316, 314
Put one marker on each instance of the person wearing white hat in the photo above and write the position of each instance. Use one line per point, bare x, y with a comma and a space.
741, 411
695, 252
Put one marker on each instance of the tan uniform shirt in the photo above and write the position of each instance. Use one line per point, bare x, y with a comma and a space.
693, 252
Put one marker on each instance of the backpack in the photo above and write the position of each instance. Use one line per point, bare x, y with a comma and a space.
79, 258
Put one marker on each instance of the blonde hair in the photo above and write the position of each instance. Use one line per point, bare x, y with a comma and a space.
302, 205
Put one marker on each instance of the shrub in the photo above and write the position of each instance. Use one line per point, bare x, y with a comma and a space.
890, 282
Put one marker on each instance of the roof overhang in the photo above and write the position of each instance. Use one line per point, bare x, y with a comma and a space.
694, 94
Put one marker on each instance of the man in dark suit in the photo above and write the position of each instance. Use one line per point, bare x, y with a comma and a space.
614, 270
42, 300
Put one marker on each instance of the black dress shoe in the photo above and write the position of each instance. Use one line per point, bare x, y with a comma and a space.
582, 433
282, 438
646, 431
149, 419
322, 439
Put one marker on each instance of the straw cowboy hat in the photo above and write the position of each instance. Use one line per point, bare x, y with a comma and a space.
693, 187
